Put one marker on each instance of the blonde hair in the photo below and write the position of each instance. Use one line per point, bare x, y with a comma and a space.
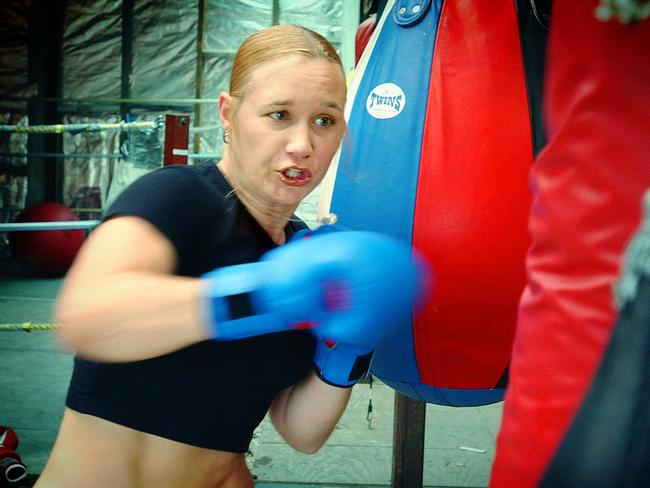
273, 43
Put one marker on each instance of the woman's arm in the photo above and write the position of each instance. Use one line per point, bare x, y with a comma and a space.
305, 414
120, 302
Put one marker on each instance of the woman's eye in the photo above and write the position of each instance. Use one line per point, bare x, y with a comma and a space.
325, 121
279, 115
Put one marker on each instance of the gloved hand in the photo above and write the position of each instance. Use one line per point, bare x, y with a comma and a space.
332, 281
388, 282
361, 276
12, 468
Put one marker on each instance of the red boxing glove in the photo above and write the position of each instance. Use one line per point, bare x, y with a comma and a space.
12, 468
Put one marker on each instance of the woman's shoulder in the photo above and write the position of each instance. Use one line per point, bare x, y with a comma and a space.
205, 171
192, 182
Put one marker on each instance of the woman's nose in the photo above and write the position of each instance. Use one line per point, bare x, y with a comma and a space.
299, 143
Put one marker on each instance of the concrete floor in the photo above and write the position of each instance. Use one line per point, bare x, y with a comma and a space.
459, 442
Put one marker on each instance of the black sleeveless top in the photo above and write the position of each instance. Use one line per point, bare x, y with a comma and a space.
212, 394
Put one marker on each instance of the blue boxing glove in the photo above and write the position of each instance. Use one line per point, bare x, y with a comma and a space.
246, 300
331, 281
370, 287
237, 303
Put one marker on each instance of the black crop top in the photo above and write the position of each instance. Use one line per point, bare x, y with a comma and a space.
212, 394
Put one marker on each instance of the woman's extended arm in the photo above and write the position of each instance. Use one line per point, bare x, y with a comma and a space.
120, 302
306, 414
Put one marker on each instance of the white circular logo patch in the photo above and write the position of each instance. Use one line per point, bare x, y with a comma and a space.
385, 101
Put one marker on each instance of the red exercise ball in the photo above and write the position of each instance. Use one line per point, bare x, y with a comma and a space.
46, 253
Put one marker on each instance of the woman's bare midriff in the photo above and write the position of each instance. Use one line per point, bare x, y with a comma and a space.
85, 454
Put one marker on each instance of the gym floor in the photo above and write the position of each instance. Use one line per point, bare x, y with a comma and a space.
459, 442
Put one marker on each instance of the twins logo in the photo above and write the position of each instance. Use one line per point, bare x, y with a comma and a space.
385, 101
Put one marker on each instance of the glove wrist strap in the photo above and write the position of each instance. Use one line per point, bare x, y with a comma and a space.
341, 365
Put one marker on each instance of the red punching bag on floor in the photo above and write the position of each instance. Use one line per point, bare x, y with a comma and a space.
587, 188
46, 253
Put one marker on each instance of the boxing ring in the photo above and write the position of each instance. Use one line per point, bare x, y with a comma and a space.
44, 221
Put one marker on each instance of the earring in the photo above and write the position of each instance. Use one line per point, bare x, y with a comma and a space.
227, 138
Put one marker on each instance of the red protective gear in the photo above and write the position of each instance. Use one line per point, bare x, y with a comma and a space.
587, 188
12, 468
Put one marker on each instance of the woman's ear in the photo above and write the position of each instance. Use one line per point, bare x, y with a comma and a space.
225, 110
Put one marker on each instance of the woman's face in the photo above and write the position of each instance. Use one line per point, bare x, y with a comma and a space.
284, 130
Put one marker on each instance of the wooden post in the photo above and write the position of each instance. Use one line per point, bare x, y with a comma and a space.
408, 442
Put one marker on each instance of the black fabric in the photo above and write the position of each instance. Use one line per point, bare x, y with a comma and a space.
212, 394
532, 17
360, 367
505, 378
608, 443
240, 305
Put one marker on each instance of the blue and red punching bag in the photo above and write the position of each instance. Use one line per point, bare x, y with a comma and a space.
437, 154
588, 183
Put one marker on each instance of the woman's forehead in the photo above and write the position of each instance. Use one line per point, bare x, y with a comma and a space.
288, 73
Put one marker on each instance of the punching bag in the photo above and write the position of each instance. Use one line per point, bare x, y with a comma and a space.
587, 188
437, 154
46, 253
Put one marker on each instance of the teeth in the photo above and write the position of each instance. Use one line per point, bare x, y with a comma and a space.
293, 173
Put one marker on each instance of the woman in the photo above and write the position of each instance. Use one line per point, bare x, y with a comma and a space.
154, 403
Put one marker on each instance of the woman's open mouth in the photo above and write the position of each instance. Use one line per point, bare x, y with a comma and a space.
295, 176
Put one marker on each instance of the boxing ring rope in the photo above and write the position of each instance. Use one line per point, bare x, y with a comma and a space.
28, 327
189, 155
74, 129
11, 155
60, 225
79, 128
116, 101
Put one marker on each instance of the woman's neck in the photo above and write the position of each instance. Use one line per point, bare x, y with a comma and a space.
273, 224
272, 220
